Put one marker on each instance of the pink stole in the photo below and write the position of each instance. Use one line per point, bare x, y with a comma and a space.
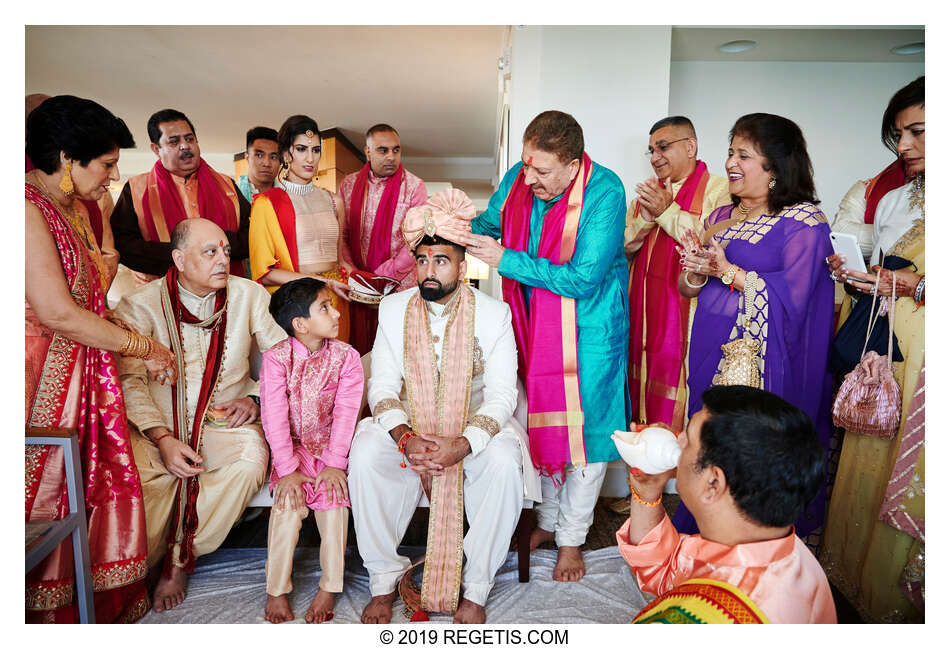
659, 334
547, 337
438, 403
162, 208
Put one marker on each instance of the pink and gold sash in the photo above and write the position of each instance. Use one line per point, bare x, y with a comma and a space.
438, 404
184, 515
659, 334
547, 340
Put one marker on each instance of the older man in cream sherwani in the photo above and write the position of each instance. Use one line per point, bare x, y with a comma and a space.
443, 389
198, 447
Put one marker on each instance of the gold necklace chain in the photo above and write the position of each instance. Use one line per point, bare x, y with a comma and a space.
746, 211
74, 218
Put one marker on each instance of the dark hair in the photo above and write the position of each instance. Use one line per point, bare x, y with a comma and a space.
767, 449
260, 133
165, 116
910, 95
292, 127
293, 300
674, 120
80, 128
179, 235
380, 128
781, 142
557, 133
436, 240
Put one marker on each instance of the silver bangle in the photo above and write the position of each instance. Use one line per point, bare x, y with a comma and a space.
690, 284
919, 291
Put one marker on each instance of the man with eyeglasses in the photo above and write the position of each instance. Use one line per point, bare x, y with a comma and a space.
678, 199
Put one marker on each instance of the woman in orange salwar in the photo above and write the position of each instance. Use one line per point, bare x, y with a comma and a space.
71, 378
295, 227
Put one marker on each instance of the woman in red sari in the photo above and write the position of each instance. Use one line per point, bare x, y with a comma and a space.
71, 379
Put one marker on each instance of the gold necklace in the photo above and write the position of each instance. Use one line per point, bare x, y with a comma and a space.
746, 211
74, 218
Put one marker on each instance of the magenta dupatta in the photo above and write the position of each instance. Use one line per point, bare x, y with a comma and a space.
547, 340
658, 334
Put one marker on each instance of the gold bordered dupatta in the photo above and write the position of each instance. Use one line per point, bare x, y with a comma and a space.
438, 403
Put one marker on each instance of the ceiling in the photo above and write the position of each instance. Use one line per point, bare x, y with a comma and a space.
806, 43
437, 85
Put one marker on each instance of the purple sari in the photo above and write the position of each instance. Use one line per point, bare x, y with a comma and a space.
794, 323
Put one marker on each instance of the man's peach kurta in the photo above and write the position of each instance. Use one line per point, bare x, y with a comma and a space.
781, 576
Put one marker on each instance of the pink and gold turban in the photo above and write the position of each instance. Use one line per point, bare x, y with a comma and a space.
447, 214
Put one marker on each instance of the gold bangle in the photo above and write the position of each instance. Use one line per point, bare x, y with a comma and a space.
127, 345
633, 493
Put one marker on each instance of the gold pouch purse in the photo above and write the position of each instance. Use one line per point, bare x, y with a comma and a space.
740, 357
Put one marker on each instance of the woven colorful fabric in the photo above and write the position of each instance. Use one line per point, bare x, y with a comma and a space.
702, 601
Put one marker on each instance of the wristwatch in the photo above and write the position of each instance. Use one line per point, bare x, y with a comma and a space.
730, 275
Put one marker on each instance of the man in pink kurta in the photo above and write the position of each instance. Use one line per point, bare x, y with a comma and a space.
372, 239
750, 464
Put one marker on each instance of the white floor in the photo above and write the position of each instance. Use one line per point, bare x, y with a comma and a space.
228, 587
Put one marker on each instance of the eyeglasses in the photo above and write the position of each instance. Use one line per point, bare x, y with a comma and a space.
662, 146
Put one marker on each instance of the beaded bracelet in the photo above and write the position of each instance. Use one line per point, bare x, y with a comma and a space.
633, 492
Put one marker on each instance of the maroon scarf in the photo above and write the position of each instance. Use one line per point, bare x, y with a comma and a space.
381, 238
893, 176
184, 516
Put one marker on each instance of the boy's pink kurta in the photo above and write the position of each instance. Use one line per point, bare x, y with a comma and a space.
328, 406
781, 576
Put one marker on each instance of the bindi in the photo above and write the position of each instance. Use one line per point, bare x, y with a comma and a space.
221, 244
530, 160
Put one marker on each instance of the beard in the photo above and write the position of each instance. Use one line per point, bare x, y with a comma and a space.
432, 293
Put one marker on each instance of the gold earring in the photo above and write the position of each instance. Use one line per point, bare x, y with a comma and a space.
772, 184
66, 184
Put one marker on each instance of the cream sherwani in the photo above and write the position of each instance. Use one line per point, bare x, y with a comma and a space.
674, 219
498, 474
235, 459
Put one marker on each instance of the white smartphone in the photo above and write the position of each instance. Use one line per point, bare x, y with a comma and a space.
847, 245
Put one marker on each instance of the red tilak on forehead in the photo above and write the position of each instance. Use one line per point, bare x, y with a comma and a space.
221, 243
530, 160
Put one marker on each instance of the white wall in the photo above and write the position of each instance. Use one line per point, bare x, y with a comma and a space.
837, 105
613, 80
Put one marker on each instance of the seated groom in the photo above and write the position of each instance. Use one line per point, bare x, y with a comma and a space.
442, 389
751, 462
199, 447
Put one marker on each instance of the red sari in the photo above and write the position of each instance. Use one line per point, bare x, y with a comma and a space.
70, 385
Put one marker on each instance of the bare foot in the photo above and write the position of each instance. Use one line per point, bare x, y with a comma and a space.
539, 536
321, 608
570, 564
277, 609
170, 591
379, 610
469, 613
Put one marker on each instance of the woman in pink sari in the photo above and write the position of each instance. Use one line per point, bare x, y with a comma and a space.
71, 379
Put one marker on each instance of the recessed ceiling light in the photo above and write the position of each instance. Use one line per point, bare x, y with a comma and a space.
909, 48
734, 47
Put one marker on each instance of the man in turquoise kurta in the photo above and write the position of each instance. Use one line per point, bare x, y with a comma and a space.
263, 162
595, 277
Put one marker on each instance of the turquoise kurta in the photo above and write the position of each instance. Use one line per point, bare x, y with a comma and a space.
596, 277
244, 184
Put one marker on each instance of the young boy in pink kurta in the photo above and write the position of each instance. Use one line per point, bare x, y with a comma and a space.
311, 388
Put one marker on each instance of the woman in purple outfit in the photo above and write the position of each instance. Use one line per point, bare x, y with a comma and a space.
774, 239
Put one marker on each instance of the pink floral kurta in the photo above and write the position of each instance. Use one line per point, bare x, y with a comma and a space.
309, 406
400, 264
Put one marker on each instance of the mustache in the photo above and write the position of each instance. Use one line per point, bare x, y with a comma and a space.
185, 155
220, 268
